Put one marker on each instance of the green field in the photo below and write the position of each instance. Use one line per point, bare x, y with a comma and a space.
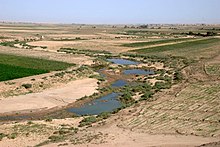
9, 72
188, 49
141, 44
12, 67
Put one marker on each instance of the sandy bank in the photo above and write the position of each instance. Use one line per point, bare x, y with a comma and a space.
59, 96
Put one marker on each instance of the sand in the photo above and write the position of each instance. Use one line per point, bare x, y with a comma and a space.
113, 136
118, 134
53, 43
44, 54
118, 137
59, 96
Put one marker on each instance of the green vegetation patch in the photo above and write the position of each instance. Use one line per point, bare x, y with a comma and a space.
141, 44
186, 46
3, 37
2, 135
9, 72
12, 67
9, 43
84, 52
34, 63
213, 69
88, 121
21, 43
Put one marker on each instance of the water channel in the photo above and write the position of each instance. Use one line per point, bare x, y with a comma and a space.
109, 102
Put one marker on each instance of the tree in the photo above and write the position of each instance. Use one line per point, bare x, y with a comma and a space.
210, 34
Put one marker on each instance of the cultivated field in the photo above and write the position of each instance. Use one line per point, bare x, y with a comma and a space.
46, 69
13, 67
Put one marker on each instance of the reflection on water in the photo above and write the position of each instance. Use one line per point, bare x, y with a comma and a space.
123, 61
138, 72
119, 83
104, 104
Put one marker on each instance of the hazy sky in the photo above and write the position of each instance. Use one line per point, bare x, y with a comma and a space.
111, 11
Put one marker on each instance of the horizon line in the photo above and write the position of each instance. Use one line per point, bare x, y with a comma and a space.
59, 23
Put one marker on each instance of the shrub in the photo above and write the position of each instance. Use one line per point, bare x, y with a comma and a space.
27, 86
147, 86
87, 121
126, 97
178, 76
43, 47
162, 85
2, 135
211, 34
147, 95
56, 138
98, 77
48, 119
12, 136
75, 130
60, 74
30, 123
78, 38
104, 115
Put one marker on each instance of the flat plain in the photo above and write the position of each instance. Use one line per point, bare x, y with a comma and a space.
47, 68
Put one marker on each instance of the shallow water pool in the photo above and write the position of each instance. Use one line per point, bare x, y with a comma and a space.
106, 103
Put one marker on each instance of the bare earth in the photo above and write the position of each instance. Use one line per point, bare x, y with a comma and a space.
112, 136
119, 137
77, 59
175, 119
125, 138
50, 98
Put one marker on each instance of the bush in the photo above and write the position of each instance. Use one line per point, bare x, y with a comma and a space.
211, 34
2, 135
30, 123
162, 85
147, 87
43, 47
60, 74
56, 138
147, 95
87, 121
104, 115
12, 136
126, 97
178, 76
98, 77
27, 86
78, 38
48, 119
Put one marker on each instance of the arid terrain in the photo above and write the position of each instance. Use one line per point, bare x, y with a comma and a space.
169, 93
